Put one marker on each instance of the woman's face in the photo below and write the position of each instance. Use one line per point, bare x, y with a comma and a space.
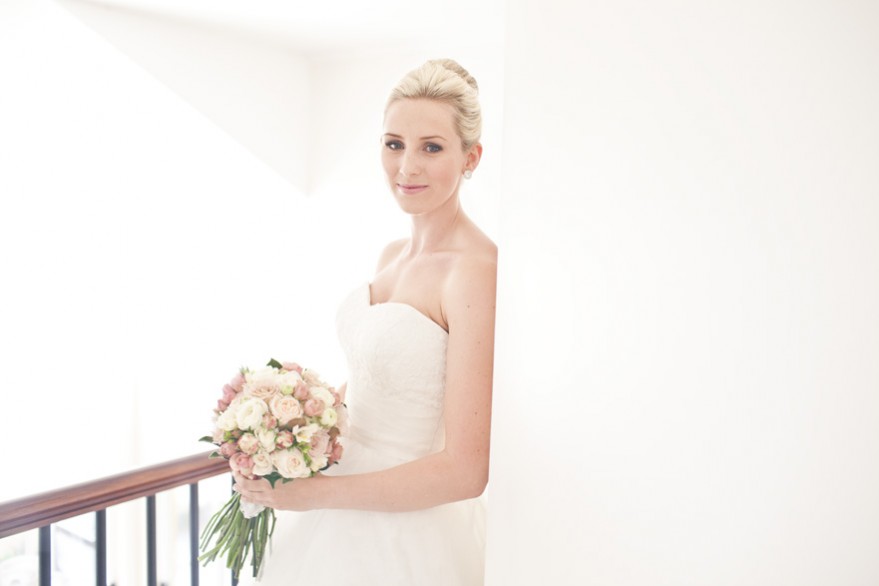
422, 154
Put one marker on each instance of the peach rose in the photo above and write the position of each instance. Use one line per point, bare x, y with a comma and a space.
290, 463
248, 444
285, 408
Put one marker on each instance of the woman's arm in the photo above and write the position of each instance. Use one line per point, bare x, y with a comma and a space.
457, 472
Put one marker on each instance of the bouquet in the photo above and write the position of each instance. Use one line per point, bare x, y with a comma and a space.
279, 422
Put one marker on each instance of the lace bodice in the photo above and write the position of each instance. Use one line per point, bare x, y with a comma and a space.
396, 356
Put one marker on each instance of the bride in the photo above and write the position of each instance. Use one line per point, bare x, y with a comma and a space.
402, 507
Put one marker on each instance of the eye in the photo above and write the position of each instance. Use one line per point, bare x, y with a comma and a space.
394, 145
432, 148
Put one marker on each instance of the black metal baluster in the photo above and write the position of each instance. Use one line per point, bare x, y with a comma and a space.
46, 555
193, 533
152, 575
101, 547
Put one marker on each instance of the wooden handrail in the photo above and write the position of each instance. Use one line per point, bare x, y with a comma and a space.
49, 507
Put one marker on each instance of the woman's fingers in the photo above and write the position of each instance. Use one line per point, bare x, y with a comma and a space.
251, 484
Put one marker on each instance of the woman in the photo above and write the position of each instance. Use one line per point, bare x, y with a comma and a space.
401, 507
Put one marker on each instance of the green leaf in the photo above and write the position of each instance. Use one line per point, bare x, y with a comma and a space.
274, 363
206, 438
273, 477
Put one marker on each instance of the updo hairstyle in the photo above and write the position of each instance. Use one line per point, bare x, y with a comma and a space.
444, 80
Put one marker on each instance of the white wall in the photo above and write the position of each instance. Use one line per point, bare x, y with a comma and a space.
687, 383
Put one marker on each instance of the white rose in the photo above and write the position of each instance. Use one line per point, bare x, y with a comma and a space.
266, 439
290, 380
290, 463
318, 463
250, 411
227, 421
262, 463
303, 433
329, 417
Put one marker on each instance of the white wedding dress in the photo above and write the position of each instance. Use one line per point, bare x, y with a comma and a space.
396, 360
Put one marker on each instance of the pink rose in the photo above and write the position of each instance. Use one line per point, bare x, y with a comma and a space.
222, 405
285, 408
284, 439
228, 449
288, 366
237, 382
242, 463
320, 443
337, 398
269, 421
229, 393
337, 452
301, 391
314, 407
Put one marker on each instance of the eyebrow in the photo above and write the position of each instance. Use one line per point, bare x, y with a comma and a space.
422, 138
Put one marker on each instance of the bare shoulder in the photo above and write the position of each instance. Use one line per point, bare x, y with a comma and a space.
390, 252
471, 283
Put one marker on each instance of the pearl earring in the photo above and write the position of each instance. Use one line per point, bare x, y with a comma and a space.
468, 173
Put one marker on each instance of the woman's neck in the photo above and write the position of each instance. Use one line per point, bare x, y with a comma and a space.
435, 230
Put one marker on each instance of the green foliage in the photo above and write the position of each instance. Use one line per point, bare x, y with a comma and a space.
236, 537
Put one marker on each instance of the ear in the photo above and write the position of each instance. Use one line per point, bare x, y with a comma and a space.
474, 155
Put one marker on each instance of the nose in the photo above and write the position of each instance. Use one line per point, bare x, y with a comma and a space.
409, 163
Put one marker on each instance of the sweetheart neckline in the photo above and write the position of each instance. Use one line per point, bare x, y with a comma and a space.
370, 305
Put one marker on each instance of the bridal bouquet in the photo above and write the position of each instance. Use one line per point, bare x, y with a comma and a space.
279, 422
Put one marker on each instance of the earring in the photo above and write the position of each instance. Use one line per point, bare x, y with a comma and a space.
468, 173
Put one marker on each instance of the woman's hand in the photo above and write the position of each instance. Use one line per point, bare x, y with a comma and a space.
300, 494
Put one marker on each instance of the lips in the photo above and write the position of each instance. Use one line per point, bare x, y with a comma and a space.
410, 189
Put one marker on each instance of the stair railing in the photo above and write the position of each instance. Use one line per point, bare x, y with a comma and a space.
40, 511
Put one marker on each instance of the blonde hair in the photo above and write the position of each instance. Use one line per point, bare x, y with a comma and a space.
444, 80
